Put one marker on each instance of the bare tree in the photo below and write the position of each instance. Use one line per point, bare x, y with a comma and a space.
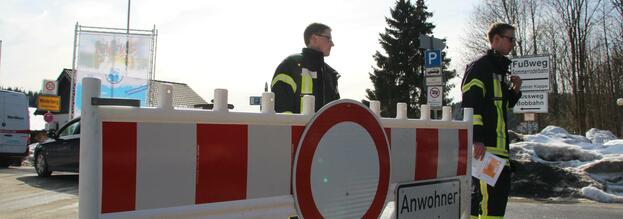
618, 6
585, 41
576, 19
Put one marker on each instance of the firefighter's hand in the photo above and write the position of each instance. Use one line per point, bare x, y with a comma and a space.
516, 81
479, 150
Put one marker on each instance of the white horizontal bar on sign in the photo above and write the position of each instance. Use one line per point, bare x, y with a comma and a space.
133, 114
417, 123
271, 207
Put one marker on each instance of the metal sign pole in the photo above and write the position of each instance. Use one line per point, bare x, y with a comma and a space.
434, 108
0, 55
432, 72
127, 41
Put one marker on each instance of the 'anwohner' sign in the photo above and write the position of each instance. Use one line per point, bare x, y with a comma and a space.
533, 70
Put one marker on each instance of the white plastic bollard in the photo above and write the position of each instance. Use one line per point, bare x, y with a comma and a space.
401, 111
165, 99
268, 102
90, 153
220, 100
375, 106
468, 113
425, 112
446, 113
309, 102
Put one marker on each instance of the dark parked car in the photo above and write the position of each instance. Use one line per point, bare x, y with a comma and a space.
61, 152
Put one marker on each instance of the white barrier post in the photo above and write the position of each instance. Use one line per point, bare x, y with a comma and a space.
468, 113
90, 152
268, 102
468, 118
425, 112
375, 106
165, 99
309, 102
446, 113
401, 111
220, 100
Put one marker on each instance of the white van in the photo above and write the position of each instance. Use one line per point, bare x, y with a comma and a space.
14, 127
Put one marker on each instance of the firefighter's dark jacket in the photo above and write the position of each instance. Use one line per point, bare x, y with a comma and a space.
302, 74
486, 89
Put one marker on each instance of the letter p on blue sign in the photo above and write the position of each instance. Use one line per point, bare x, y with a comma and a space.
432, 58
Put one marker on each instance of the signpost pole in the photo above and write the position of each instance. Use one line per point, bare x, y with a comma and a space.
431, 48
534, 71
433, 74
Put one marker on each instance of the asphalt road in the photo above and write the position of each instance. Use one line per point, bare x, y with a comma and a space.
24, 195
566, 209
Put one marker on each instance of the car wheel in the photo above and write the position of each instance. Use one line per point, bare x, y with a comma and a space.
4, 164
16, 162
41, 165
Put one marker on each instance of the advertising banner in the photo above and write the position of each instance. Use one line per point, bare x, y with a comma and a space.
124, 74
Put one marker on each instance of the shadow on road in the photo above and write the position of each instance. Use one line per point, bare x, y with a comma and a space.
58, 182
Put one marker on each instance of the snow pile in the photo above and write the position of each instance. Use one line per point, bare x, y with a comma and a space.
564, 153
554, 163
613, 147
598, 194
600, 136
556, 134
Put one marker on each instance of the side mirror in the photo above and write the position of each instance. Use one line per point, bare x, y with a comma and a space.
51, 133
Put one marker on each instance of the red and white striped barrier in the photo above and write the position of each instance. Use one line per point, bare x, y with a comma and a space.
169, 163
203, 163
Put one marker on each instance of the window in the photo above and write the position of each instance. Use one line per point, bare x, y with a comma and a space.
70, 129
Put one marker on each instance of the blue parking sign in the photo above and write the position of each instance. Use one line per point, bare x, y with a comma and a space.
432, 58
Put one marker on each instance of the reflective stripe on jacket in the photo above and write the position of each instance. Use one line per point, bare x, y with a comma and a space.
304, 74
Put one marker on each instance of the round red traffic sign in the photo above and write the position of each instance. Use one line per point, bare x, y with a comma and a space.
342, 165
435, 92
50, 86
48, 117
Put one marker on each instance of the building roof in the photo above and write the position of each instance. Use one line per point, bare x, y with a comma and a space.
183, 95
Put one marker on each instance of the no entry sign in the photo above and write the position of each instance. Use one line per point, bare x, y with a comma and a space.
49, 87
342, 165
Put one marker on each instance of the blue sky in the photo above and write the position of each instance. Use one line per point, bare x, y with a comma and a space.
213, 44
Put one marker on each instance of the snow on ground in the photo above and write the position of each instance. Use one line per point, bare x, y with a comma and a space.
597, 194
600, 136
598, 155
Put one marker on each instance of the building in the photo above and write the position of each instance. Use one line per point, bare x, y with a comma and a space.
183, 97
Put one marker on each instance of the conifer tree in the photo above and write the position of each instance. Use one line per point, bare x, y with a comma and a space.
398, 76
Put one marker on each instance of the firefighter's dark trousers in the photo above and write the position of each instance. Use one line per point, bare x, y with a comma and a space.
490, 201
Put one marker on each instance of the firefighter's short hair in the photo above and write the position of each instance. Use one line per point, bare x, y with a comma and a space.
498, 29
314, 28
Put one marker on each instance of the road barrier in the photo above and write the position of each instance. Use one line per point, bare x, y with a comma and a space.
191, 163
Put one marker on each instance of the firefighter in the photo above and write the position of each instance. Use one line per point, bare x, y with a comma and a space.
306, 73
490, 90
